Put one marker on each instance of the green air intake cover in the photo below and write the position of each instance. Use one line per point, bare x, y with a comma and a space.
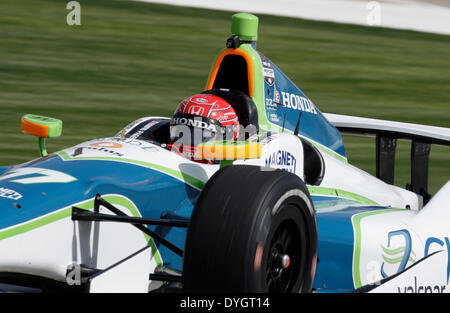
245, 26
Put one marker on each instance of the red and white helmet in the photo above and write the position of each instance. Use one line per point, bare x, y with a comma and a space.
202, 118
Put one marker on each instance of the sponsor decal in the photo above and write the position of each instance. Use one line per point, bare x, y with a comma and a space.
399, 255
269, 76
194, 123
440, 244
9, 194
143, 129
296, 102
78, 151
404, 255
265, 63
379, 248
230, 113
132, 142
270, 104
115, 143
268, 139
382, 251
141, 144
150, 149
268, 72
274, 118
421, 288
282, 159
276, 96
107, 144
43, 176
201, 100
196, 110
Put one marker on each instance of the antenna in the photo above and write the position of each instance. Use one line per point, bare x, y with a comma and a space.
297, 127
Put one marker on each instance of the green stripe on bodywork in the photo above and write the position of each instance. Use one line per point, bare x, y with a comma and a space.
333, 192
392, 251
36, 223
395, 251
321, 205
67, 212
258, 85
194, 182
356, 222
396, 260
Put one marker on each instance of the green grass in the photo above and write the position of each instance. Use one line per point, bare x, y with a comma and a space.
129, 60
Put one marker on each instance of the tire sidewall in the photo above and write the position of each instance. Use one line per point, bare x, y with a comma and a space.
288, 199
233, 221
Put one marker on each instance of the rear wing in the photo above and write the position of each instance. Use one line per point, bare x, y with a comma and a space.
387, 133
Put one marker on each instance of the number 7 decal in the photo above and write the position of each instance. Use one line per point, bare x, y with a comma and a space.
43, 176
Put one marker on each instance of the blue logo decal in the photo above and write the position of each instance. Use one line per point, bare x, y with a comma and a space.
433, 240
406, 250
283, 159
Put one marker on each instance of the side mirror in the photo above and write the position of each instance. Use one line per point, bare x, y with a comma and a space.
228, 151
42, 127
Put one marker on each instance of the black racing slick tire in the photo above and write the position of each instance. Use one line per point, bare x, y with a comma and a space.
252, 230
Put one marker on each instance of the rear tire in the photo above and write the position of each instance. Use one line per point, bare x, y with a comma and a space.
245, 222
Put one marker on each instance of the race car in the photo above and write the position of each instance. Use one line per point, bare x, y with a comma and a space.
265, 201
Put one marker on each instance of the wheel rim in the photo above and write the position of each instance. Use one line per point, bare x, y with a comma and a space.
286, 241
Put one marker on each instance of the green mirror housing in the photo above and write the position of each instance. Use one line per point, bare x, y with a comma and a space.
42, 127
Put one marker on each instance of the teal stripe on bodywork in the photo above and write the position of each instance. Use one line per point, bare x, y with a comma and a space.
194, 182
3, 169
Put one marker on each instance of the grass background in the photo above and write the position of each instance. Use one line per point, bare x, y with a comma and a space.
131, 59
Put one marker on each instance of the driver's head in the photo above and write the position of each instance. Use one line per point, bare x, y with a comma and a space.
202, 118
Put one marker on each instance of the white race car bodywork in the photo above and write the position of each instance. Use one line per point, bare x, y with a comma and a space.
127, 258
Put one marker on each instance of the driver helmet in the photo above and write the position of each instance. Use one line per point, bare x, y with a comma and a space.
199, 119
